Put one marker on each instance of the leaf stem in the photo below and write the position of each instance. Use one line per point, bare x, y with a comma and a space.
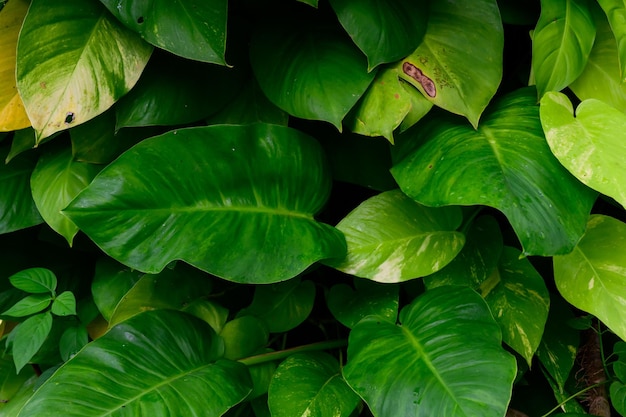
571, 397
282, 354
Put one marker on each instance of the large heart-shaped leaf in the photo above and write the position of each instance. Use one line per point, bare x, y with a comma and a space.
391, 238
458, 66
615, 11
171, 377
56, 180
562, 41
12, 113
194, 29
591, 145
436, 363
593, 277
310, 72
74, 60
505, 164
385, 30
257, 184
310, 385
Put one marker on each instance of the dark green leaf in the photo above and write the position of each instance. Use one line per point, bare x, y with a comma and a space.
212, 313
436, 363
264, 181
619, 366
505, 163
110, 283
29, 336
10, 381
29, 305
615, 11
35, 280
350, 305
617, 393
171, 377
243, 336
194, 29
64, 304
72, 340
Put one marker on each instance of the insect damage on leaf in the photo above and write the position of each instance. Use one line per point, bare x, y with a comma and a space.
417, 74
69, 117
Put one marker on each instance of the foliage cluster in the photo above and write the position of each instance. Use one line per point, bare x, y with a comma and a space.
285, 208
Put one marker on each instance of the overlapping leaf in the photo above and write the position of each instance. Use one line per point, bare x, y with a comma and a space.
615, 11
436, 362
165, 378
350, 305
593, 277
236, 201
74, 60
591, 145
505, 164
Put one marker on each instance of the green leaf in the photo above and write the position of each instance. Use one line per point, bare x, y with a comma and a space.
170, 289
56, 180
562, 41
212, 313
29, 305
74, 60
35, 280
436, 363
243, 336
11, 381
619, 366
601, 77
349, 305
506, 164
615, 11
309, 71
194, 29
29, 336
420, 106
73, 340
171, 377
64, 304
458, 66
311, 385
617, 394
593, 277
264, 181
110, 283
282, 306
589, 145
385, 30
391, 238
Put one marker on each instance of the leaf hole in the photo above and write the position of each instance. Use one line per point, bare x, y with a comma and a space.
140, 19
69, 118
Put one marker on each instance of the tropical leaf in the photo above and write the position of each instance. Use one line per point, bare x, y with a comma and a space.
244, 336
35, 280
29, 305
458, 66
589, 145
110, 283
615, 11
310, 385
264, 181
194, 29
505, 164
87, 61
64, 304
165, 378
11, 381
391, 238
73, 340
562, 41
12, 113
436, 362
593, 277
385, 31
28, 337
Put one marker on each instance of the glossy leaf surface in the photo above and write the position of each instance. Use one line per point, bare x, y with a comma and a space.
615, 11
110, 283
458, 66
436, 362
264, 181
17, 208
310, 385
307, 72
34, 280
194, 29
593, 277
391, 238
505, 164
349, 305
171, 377
385, 30
591, 145
562, 42
89, 60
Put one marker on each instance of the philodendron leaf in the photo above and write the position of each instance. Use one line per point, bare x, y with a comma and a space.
615, 11
391, 238
171, 377
385, 30
264, 181
349, 305
74, 60
193, 29
12, 113
111, 282
310, 385
506, 164
29, 336
436, 362
562, 42
593, 277
591, 145
56, 180
310, 72
34, 280
458, 65
243, 336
